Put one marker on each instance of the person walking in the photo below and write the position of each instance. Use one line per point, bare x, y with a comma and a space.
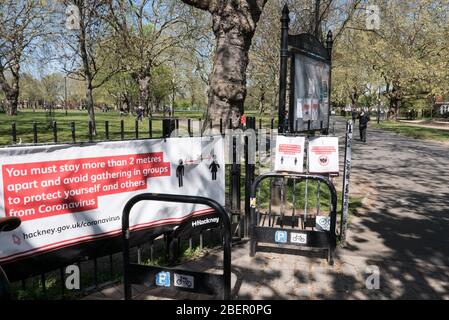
363, 125
140, 113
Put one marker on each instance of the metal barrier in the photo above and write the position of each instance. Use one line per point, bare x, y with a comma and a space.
184, 280
325, 239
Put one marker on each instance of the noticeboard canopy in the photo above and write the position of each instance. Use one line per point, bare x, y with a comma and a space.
306, 44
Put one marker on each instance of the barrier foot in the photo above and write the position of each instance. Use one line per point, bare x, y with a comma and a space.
330, 256
252, 248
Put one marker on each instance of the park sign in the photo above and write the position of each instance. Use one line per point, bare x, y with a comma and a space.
71, 195
323, 155
289, 155
310, 81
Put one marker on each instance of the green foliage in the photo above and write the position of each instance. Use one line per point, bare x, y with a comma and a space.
183, 104
161, 84
408, 57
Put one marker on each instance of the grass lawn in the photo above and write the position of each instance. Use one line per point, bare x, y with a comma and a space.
414, 131
25, 119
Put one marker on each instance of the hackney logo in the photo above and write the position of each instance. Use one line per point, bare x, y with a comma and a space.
198, 223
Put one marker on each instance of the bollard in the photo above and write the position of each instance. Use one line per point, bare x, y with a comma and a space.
106, 130
34, 132
14, 133
72, 129
90, 131
55, 132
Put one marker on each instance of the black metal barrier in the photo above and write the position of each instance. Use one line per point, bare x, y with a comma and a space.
324, 239
184, 280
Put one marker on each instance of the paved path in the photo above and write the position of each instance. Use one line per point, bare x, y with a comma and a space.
406, 226
402, 230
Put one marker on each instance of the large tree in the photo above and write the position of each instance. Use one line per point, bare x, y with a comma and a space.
22, 23
90, 48
407, 56
145, 31
234, 24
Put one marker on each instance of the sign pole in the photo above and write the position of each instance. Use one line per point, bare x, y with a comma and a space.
329, 45
317, 18
346, 176
283, 68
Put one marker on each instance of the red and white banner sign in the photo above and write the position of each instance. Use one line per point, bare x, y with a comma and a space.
289, 154
323, 155
67, 195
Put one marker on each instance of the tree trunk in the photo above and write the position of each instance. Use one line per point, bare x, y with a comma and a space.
228, 78
144, 83
233, 24
262, 102
192, 99
397, 106
87, 70
11, 102
172, 103
274, 103
90, 106
11, 90
354, 100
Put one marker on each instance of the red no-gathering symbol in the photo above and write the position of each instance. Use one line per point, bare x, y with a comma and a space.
324, 160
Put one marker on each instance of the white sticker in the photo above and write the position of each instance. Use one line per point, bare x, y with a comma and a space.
323, 223
183, 281
300, 238
299, 107
289, 154
323, 155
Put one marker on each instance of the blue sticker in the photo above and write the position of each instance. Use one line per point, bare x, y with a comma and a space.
280, 236
163, 279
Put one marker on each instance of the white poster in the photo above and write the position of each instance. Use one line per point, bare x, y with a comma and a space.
289, 154
311, 93
299, 108
67, 195
323, 155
